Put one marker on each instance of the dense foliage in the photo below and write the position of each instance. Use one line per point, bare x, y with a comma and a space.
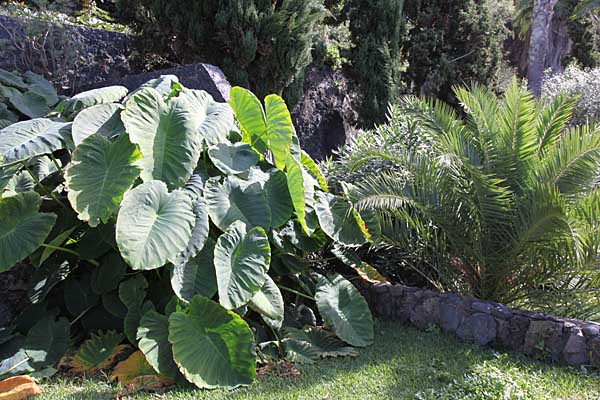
261, 44
505, 205
24, 97
378, 30
163, 218
454, 42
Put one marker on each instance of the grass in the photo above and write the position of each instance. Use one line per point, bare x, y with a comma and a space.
402, 364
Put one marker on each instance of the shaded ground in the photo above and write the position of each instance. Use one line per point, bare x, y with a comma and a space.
403, 364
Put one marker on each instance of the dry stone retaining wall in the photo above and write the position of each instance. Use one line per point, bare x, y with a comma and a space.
568, 341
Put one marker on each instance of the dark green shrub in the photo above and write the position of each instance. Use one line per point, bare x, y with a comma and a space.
454, 42
261, 44
378, 32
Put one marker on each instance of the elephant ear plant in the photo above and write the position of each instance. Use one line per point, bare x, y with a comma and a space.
190, 228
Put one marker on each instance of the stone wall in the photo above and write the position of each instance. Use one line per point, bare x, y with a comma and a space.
567, 341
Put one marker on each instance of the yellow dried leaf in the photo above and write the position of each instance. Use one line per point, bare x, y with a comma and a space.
18, 387
136, 365
369, 274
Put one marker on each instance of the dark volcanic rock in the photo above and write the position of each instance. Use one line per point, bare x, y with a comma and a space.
479, 327
194, 76
326, 116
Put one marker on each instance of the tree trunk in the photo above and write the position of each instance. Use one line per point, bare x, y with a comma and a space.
543, 10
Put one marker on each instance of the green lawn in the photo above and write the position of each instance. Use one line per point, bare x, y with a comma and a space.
404, 363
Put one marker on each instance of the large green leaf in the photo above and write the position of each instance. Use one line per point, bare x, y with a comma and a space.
237, 200
242, 261
13, 80
340, 221
270, 128
274, 184
218, 118
31, 138
295, 183
20, 183
153, 225
251, 116
218, 124
163, 84
82, 100
40, 85
103, 119
29, 103
196, 276
279, 129
99, 175
212, 346
313, 170
269, 303
153, 341
166, 134
344, 310
23, 228
233, 159
47, 341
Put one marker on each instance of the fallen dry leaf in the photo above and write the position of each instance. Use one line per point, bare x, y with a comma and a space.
136, 365
148, 383
18, 387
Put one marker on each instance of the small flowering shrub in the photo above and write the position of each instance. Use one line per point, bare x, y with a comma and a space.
577, 82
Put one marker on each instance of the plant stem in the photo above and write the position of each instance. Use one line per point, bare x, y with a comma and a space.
38, 183
287, 289
58, 248
58, 167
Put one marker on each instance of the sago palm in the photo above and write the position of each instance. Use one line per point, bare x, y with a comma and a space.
505, 205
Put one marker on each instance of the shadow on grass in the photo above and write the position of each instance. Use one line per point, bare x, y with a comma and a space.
403, 363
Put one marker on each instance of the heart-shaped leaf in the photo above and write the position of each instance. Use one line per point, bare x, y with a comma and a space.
23, 228
213, 347
345, 310
98, 176
340, 221
90, 98
242, 261
166, 134
153, 225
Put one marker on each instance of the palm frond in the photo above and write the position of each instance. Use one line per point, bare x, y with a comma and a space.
553, 120
573, 164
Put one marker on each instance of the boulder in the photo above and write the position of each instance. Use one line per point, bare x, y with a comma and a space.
576, 352
479, 328
544, 338
325, 116
193, 76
